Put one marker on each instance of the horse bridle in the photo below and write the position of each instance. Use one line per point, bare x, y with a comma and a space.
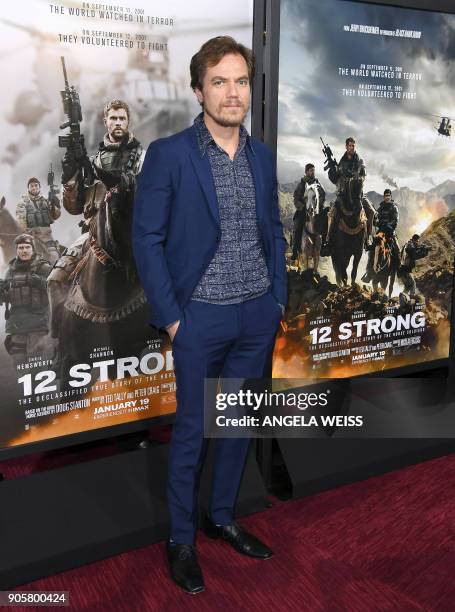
104, 258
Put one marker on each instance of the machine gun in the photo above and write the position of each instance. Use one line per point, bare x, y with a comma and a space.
76, 155
330, 161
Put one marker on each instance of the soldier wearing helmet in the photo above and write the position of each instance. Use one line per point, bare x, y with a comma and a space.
26, 305
410, 253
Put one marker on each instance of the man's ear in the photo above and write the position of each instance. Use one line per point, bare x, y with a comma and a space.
199, 95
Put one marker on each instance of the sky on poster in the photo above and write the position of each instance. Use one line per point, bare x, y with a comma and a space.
396, 138
30, 68
195, 22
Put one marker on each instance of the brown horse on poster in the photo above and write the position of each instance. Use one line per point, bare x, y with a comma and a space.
106, 305
350, 233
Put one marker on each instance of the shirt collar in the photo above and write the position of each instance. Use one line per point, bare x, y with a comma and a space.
205, 138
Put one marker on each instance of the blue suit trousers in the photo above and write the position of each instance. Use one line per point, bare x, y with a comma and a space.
213, 340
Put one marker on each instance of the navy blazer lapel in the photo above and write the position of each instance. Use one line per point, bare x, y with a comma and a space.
258, 179
205, 177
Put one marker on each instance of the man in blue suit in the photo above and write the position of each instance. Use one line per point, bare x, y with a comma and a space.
210, 252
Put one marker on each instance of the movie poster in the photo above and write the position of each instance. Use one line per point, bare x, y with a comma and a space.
366, 188
76, 351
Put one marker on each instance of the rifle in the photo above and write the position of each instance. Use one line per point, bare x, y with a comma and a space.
423, 249
330, 161
76, 153
53, 190
4, 299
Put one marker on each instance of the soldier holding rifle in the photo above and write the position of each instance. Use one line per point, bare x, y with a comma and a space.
35, 215
88, 181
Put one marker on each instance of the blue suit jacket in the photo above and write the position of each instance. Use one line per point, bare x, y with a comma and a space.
176, 224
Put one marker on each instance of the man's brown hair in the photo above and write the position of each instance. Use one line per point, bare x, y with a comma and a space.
350, 139
115, 105
212, 52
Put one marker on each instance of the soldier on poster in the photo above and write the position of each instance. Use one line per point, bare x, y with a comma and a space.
35, 215
23, 291
300, 215
410, 253
87, 182
386, 221
351, 166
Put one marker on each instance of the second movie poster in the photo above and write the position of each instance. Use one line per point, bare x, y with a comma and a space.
365, 166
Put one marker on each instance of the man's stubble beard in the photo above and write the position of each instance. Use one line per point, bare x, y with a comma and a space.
116, 138
226, 121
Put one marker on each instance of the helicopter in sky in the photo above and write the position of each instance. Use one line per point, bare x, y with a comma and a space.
444, 127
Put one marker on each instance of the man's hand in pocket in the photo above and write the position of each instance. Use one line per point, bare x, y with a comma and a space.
172, 329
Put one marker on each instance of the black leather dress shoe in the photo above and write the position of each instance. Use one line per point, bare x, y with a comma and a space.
242, 541
184, 568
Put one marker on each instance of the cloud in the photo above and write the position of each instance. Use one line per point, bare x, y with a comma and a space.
396, 138
289, 170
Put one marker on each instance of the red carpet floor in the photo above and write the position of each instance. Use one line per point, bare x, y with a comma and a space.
387, 543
